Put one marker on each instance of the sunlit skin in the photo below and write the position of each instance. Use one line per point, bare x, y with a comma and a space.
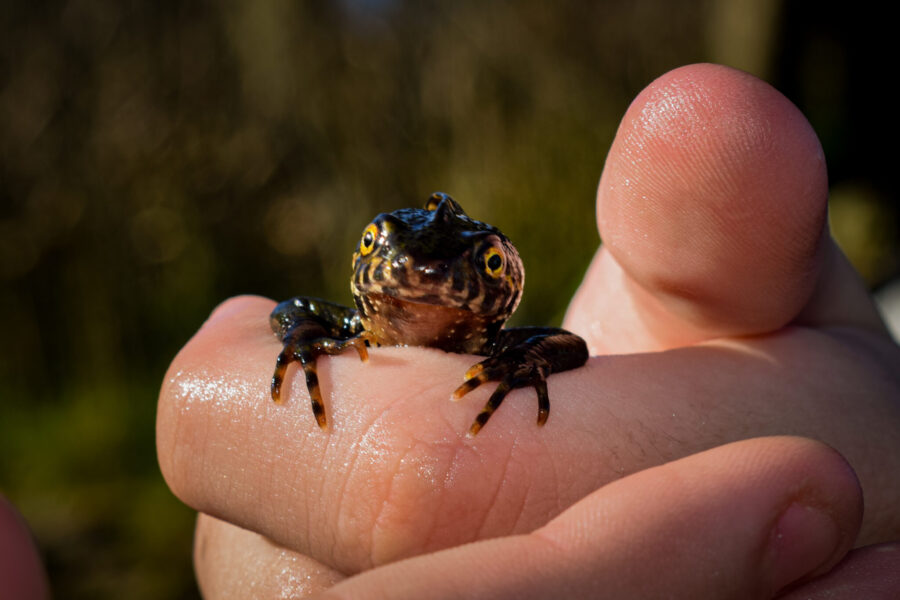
430, 277
718, 309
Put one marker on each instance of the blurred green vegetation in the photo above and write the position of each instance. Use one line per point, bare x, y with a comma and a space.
157, 157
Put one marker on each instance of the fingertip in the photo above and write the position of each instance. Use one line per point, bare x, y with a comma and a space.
237, 305
805, 542
219, 366
713, 199
822, 518
817, 501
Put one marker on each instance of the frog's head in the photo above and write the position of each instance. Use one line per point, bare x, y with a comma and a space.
435, 269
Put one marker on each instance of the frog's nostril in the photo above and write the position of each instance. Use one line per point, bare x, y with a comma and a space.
436, 270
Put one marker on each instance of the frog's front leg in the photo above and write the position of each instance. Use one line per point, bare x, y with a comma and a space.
522, 357
309, 328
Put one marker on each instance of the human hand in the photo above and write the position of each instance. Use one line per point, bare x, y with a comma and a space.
739, 521
722, 169
22, 575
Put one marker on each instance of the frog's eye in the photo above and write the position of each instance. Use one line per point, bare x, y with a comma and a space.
493, 262
367, 243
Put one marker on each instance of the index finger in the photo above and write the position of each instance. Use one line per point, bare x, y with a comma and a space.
396, 475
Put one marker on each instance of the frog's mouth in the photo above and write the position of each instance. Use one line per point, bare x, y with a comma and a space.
437, 300
447, 284
436, 285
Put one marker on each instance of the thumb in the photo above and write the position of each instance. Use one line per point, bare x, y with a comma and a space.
712, 210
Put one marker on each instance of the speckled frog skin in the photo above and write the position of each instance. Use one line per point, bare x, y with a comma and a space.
430, 277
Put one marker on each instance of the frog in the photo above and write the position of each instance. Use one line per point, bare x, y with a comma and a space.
431, 277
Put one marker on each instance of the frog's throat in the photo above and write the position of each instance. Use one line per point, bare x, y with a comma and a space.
399, 321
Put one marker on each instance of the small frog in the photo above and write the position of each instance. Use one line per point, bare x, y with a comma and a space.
430, 277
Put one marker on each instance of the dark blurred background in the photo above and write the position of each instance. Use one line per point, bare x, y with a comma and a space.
158, 157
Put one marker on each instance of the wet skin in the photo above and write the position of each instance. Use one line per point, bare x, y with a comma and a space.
430, 277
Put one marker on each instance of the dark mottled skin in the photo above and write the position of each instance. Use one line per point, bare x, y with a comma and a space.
430, 277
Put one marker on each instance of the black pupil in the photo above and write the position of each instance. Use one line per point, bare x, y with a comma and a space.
367, 239
494, 262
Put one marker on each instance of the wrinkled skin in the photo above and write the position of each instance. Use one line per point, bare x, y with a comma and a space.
718, 309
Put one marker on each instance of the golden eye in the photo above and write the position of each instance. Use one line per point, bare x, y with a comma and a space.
493, 262
367, 243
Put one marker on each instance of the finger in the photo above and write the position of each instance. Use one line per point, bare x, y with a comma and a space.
740, 521
395, 475
711, 208
352, 496
231, 562
21, 572
872, 573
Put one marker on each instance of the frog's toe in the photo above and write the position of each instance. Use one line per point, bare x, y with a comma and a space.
305, 350
512, 373
307, 362
503, 388
486, 370
543, 401
467, 386
315, 393
281, 363
474, 370
359, 344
